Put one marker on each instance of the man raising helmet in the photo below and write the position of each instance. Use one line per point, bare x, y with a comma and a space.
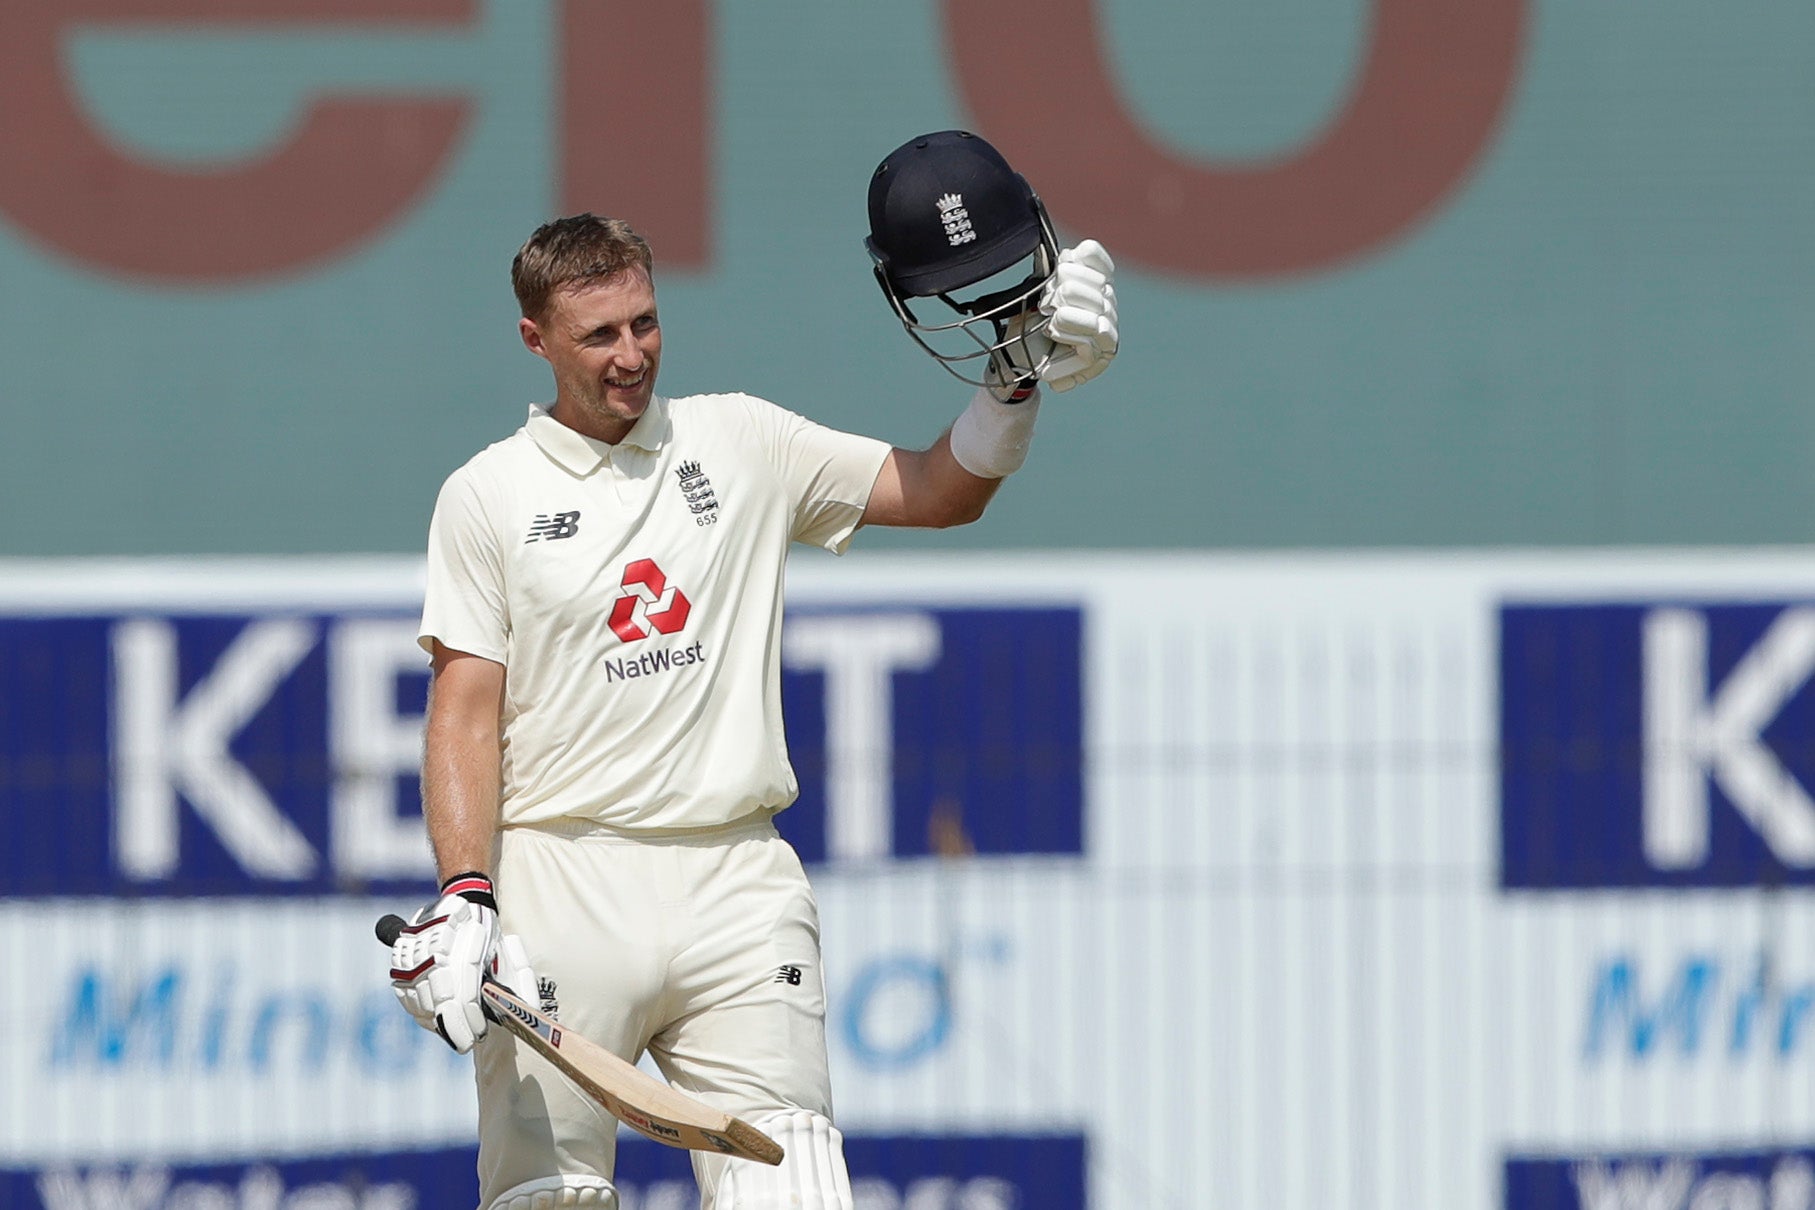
604, 750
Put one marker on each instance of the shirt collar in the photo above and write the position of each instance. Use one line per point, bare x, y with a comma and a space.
582, 454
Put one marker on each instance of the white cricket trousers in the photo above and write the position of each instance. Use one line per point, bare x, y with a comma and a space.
702, 949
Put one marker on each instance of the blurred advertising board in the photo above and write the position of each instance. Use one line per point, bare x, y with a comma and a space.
1775, 1179
931, 1172
1461, 879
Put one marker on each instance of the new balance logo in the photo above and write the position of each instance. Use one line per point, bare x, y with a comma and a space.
549, 526
789, 975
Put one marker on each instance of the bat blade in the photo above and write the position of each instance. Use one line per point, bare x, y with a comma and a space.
635, 1098
639, 1100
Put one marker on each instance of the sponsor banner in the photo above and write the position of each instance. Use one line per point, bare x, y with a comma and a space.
920, 1172
1623, 1023
272, 753
196, 1028
275, 753
1267, 917
442, 1179
921, 731
1779, 1178
1665, 743
899, 1172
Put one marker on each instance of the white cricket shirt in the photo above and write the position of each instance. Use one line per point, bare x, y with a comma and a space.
633, 594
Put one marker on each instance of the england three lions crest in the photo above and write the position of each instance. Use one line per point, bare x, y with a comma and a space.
696, 489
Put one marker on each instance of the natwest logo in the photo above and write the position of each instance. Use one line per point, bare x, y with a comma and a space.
649, 601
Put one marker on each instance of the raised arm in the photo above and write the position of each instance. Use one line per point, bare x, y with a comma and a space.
952, 482
927, 488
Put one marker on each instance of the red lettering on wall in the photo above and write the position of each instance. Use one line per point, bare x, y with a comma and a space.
351, 167
1429, 94
634, 106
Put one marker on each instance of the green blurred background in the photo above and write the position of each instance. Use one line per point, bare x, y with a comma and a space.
1602, 331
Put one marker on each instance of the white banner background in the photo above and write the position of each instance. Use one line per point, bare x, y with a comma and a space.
1282, 974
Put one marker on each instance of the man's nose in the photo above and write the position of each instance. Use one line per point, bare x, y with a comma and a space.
627, 354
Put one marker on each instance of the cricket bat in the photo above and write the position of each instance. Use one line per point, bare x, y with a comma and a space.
635, 1098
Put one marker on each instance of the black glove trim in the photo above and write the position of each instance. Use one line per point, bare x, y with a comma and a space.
1025, 386
473, 887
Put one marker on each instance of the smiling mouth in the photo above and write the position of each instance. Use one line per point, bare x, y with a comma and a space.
627, 384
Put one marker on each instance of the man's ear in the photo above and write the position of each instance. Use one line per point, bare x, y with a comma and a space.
532, 337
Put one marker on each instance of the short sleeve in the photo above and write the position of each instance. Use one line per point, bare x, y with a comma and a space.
828, 475
464, 601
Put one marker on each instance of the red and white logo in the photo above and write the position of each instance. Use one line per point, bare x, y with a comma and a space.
649, 602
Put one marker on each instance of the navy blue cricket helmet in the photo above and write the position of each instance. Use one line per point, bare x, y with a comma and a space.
947, 213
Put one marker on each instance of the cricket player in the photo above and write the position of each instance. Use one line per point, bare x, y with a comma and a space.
604, 751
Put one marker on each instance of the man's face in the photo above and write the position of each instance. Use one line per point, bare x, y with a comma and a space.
604, 344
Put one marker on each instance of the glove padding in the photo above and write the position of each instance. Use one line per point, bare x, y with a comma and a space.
437, 965
511, 967
1013, 372
1079, 338
1080, 301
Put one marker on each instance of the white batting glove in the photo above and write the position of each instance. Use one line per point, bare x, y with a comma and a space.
511, 967
1080, 301
440, 957
1013, 374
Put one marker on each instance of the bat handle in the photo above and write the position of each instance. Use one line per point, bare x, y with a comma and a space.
390, 927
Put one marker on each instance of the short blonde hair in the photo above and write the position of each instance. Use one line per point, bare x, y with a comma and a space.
577, 250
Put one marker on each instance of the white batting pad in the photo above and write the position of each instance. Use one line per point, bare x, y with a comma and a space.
556, 1192
812, 1177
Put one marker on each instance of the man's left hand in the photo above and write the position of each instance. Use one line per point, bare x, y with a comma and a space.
438, 962
1080, 304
